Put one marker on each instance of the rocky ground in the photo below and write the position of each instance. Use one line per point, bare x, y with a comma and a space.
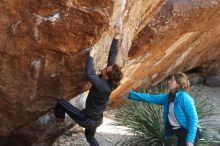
109, 135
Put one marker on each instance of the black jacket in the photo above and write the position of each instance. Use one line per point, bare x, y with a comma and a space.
101, 89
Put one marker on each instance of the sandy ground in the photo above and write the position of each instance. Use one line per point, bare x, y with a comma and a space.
106, 134
109, 135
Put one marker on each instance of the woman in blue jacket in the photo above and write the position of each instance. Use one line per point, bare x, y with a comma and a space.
180, 116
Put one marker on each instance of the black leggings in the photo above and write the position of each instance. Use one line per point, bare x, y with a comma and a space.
79, 117
181, 134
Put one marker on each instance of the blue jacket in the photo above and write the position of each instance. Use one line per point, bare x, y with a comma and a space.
184, 110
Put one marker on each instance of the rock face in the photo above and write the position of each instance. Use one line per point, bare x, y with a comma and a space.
43, 49
213, 80
42, 55
182, 36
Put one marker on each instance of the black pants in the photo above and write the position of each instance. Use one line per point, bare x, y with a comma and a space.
79, 117
181, 134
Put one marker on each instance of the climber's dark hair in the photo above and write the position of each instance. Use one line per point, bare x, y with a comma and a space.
115, 76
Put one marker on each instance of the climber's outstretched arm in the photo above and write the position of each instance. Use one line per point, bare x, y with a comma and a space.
95, 80
114, 46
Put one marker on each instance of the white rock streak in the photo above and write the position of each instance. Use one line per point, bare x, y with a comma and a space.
40, 19
54, 18
121, 7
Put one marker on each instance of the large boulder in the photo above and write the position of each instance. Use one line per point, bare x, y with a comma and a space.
43, 50
42, 57
213, 79
182, 36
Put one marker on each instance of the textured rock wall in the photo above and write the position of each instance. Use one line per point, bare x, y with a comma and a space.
43, 49
42, 54
182, 35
